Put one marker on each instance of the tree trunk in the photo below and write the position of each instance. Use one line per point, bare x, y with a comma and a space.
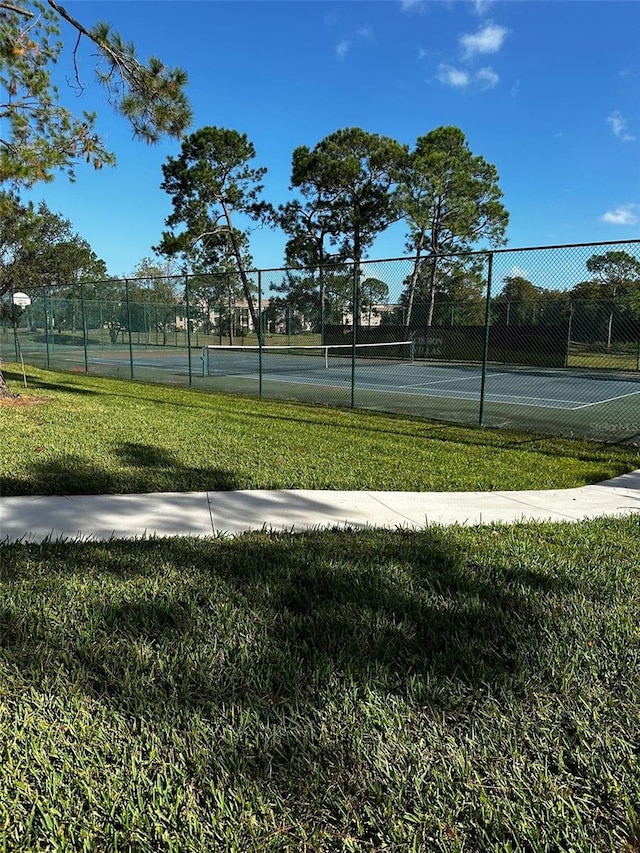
5, 392
612, 309
413, 281
243, 275
322, 299
432, 293
322, 292
232, 317
356, 280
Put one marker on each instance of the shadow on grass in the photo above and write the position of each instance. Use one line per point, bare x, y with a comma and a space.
266, 620
40, 384
139, 455
328, 670
147, 468
361, 423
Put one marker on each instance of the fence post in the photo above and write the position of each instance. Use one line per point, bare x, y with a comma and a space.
126, 291
321, 284
505, 349
354, 326
46, 327
186, 296
485, 353
259, 330
84, 329
15, 330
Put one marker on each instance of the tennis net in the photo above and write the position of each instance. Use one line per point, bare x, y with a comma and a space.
223, 360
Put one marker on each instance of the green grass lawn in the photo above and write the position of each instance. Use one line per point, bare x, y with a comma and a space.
93, 435
610, 361
455, 689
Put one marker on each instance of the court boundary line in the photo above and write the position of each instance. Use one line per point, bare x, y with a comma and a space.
458, 379
378, 390
608, 400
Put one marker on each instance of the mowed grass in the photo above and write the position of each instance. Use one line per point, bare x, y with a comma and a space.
86, 435
454, 689
612, 361
451, 689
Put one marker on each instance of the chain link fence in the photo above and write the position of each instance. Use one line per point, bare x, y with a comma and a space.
538, 339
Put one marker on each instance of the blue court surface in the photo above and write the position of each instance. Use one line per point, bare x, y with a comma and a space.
569, 389
553, 389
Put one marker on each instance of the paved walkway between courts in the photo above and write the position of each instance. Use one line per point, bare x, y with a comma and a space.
103, 517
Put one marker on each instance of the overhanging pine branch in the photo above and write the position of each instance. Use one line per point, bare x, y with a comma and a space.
103, 44
11, 8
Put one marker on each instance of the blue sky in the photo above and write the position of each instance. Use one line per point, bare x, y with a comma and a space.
546, 91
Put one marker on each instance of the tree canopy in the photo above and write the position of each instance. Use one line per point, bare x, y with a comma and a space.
450, 200
40, 135
350, 175
210, 182
614, 287
39, 247
615, 272
355, 184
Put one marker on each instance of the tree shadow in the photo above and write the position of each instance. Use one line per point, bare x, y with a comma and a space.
35, 384
381, 607
142, 468
67, 474
272, 644
139, 455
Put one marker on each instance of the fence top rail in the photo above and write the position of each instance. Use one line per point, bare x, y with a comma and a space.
478, 252
348, 264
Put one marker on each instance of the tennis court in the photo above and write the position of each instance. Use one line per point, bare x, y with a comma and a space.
553, 388
597, 404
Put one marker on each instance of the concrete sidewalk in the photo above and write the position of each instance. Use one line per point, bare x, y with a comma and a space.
102, 517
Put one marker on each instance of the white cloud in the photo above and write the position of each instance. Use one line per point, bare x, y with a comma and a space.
487, 78
623, 215
412, 6
453, 76
481, 6
517, 272
458, 78
363, 34
619, 126
489, 39
342, 49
